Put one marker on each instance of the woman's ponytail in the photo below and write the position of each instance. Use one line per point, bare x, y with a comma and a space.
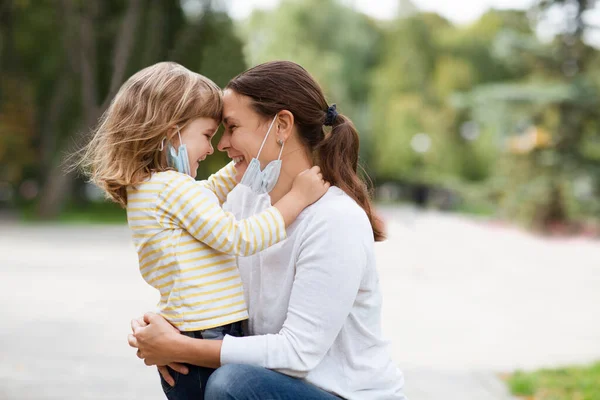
337, 155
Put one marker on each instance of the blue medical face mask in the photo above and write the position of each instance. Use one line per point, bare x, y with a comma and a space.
263, 181
178, 159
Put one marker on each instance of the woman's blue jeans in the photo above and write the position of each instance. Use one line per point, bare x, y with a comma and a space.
248, 382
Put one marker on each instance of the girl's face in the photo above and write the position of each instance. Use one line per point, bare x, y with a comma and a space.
244, 133
197, 136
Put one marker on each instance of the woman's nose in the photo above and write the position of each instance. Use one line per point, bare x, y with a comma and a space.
224, 143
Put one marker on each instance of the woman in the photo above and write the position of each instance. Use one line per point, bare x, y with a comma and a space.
314, 299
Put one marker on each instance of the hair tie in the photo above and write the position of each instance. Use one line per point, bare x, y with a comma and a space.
331, 115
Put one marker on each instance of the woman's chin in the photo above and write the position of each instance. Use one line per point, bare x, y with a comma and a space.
241, 169
238, 177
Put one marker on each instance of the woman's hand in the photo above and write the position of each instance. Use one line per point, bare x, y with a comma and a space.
155, 341
154, 337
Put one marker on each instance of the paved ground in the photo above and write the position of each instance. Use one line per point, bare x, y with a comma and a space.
463, 301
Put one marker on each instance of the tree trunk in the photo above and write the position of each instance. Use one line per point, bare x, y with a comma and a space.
50, 123
59, 184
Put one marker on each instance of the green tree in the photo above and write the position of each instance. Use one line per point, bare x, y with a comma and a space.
557, 95
76, 55
337, 45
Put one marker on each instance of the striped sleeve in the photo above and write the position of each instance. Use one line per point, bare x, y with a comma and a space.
183, 204
222, 182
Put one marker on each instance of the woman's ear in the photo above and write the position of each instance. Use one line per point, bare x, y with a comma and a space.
284, 124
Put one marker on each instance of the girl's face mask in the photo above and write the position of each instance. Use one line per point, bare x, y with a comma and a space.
178, 159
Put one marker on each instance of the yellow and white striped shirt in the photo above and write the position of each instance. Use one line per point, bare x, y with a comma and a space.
186, 245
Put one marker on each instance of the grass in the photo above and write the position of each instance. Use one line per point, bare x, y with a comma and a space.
92, 213
474, 209
478, 209
570, 383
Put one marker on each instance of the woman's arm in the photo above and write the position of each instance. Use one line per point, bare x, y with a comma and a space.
159, 343
329, 271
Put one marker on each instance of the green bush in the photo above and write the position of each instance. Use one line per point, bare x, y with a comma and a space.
571, 383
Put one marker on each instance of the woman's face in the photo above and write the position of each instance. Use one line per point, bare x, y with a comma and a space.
244, 133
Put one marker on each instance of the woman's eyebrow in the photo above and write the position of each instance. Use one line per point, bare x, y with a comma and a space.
228, 120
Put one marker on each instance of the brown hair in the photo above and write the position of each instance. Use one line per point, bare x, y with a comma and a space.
284, 85
124, 148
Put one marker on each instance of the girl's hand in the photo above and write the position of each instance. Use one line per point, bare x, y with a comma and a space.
309, 186
164, 371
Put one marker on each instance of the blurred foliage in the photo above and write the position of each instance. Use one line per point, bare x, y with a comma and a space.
61, 62
560, 384
486, 112
546, 117
426, 61
337, 45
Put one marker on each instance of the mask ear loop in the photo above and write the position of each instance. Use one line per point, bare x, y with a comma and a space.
281, 151
179, 134
162, 143
180, 141
265, 139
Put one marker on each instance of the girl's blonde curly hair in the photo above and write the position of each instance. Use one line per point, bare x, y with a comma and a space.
125, 146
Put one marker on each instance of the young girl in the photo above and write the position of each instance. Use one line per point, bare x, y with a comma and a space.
144, 155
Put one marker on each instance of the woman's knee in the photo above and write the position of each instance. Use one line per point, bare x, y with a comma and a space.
230, 382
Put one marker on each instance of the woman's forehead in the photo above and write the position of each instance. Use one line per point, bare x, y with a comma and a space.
235, 107
232, 99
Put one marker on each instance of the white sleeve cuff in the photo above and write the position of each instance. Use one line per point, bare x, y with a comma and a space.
244, 350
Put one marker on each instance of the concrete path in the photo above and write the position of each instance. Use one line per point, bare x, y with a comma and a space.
463, 302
